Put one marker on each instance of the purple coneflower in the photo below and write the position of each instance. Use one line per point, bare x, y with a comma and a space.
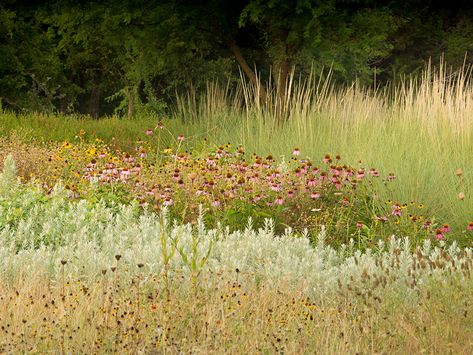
445, 228
279, 201
168, 201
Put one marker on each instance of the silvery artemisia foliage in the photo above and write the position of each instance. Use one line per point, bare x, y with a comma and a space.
38, 231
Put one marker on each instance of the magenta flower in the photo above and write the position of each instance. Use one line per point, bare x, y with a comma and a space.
149, 132
168, 201
439, 235
314, 195
470, 226
296, 151
359, 225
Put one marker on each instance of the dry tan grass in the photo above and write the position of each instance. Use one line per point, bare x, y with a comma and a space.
229, 315
32, 160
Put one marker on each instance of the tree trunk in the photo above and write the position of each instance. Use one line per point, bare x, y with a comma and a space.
94, 102
248, 71
131, 103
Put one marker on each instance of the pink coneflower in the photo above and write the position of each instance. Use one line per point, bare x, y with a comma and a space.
382, 218
311, 182
279, 201
391, 176
327, 159
338, 184
290, 194
360, 174
439, 235
374, 172
215, 203
359, 225
275, 187
296, 151
396, 211
445, 228
257, 198
180, 137
314, 195
149, 132
160, 125
168, 201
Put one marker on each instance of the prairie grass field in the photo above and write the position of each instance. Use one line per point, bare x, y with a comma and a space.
339, 220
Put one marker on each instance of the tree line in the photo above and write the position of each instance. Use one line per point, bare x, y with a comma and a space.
100, 57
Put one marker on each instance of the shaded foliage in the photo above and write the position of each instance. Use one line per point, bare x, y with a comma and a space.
100, 57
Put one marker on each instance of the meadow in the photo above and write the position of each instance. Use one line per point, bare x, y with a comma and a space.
339, 219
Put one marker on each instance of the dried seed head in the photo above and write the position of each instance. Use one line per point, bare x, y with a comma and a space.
140, 265
63, 262
118, 257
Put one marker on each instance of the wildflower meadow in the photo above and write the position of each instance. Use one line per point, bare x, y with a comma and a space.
344, 225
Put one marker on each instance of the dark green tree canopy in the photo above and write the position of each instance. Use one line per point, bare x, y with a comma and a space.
97, 57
